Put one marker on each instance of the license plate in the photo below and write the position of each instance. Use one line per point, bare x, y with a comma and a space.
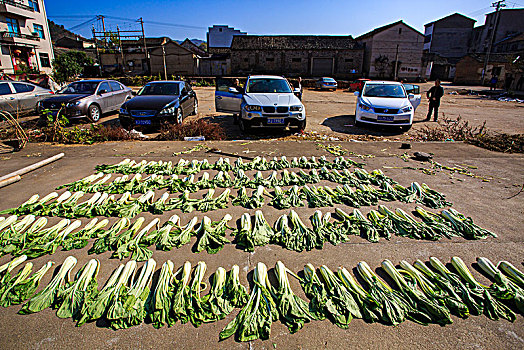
385, 118
275, 120
143, 122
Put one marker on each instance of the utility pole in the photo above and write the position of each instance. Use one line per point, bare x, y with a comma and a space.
121, 49
396, 63
97, 51
164, 57
498, 5
145, 44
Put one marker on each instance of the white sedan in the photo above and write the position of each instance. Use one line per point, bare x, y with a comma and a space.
385, 103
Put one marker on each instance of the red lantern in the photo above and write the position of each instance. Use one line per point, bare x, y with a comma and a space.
18, 52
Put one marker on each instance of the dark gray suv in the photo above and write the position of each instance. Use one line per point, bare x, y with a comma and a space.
87, 98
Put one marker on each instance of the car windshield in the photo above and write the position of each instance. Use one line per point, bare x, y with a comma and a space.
159, 89
329, 79
81, 87
384, 90
268, 85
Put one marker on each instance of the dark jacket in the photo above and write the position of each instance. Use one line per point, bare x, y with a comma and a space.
435, 92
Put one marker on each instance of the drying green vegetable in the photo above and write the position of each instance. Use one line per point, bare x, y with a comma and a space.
341, 305
135, 247
128, 307
23, 287
369, 307
105, 240
159, 303
293, 310
493, 308
50, 293
515, 275
464, 226
71, 300
211, 235
255, 319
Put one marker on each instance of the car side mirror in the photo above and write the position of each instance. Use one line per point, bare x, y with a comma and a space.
411, 96
296, 90
102, 91
356, 93
233, 90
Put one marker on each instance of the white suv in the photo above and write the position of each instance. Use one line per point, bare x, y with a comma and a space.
267, 101
385, 102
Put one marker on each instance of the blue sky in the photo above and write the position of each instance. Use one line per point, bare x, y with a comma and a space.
263, 16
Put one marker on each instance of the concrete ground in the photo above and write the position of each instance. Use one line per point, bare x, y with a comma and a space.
492, 205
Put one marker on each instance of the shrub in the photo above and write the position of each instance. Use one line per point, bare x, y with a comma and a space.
200, 127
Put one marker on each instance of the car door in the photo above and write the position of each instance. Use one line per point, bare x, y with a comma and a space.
413, 94
185, 100
103, 96
226, 101
119, 95
191, 100
25, 96
8, 102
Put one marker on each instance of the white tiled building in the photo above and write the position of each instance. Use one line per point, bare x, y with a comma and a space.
25, 41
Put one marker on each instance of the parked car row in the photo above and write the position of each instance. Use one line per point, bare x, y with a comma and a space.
265, 101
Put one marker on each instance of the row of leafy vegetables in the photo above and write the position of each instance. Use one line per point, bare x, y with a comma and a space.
187, 167
421, 293
34, 237
71, 205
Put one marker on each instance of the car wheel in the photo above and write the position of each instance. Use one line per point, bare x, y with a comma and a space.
235, 119
195, 108
94, 113
179, 116
244, 125
301, 126
358, 124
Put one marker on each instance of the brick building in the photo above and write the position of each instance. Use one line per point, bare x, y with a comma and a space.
393, 45
296, 55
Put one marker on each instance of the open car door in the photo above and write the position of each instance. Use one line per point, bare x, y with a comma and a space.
225, 100
413, 90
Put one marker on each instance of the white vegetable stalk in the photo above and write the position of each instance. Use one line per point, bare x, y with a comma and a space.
13, 263
8, 222
512, 272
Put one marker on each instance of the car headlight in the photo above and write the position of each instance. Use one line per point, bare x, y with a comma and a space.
123, 111
364, 106
72, 104
296, 108
253, 108
168, 110
406, 109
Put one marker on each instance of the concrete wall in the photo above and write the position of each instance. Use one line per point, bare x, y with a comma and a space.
410, 46
179, 61
469, 71
450, 37
26, 43
511, 21
346, 63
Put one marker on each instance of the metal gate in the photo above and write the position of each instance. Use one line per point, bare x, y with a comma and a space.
321, 66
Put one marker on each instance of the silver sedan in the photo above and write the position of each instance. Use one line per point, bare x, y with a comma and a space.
21, 98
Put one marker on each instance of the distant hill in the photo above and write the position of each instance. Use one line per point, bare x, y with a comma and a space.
197, 42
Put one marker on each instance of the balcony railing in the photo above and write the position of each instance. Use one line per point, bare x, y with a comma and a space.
17, 4
7, 35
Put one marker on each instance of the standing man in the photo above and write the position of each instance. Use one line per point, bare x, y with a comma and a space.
493, 82
237, 86
434, 95
299, 86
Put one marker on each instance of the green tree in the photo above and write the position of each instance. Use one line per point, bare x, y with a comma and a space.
69, 65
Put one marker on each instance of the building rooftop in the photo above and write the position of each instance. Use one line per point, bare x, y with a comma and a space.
294, 42
383, 28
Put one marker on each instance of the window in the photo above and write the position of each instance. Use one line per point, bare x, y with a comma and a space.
5, 89
399, 31
34, 5
269, 59
104, 86
348, 60
40, 30
44, 59
21, 87
12, 25
427, 38
115, 86
296, 59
